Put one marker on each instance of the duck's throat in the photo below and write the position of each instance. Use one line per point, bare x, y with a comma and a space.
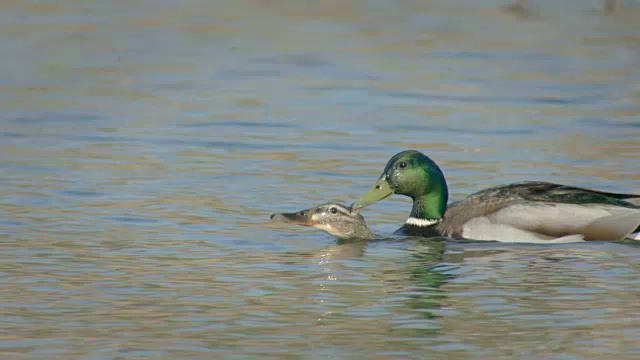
427, 210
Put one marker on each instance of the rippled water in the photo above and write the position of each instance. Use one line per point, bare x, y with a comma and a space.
144, 145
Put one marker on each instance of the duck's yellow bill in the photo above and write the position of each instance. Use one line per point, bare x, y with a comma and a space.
379, 191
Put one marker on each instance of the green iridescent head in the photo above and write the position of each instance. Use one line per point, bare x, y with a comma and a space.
413, 174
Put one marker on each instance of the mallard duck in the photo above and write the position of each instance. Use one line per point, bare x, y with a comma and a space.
519, 212
337, 220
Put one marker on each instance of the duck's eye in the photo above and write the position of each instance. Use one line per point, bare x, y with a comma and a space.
301, 213
333, 210
402, 165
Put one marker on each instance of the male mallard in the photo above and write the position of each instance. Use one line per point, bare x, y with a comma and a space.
335, 219
519, 212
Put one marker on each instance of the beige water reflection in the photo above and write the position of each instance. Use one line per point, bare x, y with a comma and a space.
143, 147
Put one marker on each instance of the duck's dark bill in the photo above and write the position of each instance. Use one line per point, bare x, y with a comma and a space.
379, 191
300, 218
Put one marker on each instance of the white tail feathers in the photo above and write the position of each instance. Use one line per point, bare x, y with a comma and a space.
634, 236
614, 227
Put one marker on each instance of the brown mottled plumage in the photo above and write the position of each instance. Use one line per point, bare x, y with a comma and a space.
337, 220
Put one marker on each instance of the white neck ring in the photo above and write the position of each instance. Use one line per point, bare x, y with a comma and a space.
422, 222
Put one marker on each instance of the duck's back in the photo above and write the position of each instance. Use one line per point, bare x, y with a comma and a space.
542, 211
556, 193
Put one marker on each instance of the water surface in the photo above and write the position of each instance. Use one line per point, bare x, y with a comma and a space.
144, 146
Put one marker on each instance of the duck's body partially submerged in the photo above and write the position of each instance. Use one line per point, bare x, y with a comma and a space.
336, 219
520, 212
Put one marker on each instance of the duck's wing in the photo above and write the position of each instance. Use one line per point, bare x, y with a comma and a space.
536, 211
564, 194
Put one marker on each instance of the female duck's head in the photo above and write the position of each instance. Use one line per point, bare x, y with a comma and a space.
337, 220
413, 174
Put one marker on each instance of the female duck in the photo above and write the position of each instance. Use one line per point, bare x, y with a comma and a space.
335, 219
519, 212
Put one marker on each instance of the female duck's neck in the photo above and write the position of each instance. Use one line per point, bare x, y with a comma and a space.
428, 209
